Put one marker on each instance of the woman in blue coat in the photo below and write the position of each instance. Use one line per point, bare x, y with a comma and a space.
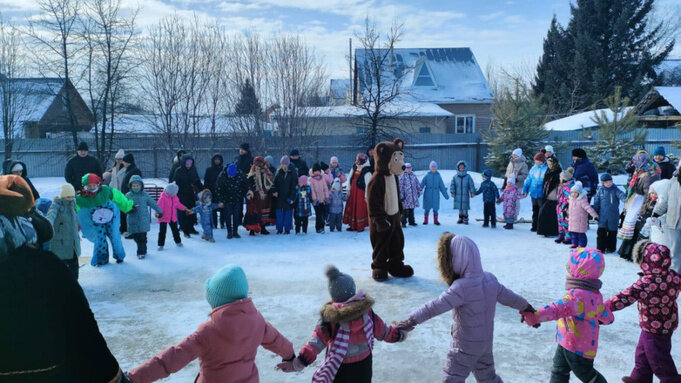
432, 186
462, 189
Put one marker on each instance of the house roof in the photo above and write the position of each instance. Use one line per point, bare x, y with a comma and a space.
660, 96
436, 75
34, 96
147, 124
399, 109
339, 88
584, 120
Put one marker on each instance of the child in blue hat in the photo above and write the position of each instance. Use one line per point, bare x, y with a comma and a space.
490, 195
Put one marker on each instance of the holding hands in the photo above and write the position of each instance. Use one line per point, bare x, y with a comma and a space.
529, 317
292, 365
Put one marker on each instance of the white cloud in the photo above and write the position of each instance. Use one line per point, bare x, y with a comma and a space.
236, 7
515, 19
18, 5
491, 16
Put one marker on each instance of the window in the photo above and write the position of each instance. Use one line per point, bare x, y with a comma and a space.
423, 78
464, 124
424, 130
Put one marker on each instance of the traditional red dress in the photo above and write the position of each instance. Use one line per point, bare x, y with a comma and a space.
356, 211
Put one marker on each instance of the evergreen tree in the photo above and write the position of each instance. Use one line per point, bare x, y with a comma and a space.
518, 123
248, 102
618, 137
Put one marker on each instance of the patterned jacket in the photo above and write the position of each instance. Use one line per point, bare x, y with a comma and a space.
410, 190
511, 199
489, 191
303, 201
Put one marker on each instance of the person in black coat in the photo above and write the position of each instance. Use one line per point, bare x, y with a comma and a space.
79, 165
176, 164
585, 171
46, 326
298, 163
210, 179
19, 168
189, 183
666, 167
245, 159
130, 170
284, 189
5, 166
231, 190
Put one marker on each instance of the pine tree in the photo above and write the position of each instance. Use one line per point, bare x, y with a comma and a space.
248, 102
618, 137
518, 123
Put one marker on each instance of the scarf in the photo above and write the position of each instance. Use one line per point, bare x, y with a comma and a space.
263, 182
583, 284
335, 354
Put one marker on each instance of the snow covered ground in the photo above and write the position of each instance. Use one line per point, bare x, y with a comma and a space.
143, 306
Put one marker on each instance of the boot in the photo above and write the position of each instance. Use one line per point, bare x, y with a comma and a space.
508, 226
229, 234
425, 219
560, 238
236, 234
465, 220
627, 379
435, 220
401, 270
460, 221
379, 275
264, 231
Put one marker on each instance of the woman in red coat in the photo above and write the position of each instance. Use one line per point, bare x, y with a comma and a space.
356, 211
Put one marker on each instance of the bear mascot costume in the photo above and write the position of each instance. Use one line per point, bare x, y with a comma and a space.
385, 209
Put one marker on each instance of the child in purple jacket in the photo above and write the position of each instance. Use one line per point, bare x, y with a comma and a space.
511, 199
472, 297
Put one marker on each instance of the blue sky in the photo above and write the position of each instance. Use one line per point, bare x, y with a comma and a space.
502, 32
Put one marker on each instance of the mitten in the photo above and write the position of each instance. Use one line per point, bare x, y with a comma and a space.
382, 225
407, 325
159, 215
530, 318
403, 335
293, 365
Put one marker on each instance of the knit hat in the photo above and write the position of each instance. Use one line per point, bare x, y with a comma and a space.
578, 188
549, 148
324, 166
659, 151
552, 158
232, 170
336, 185
259, 161
566, 175
302, 180
362, 157
333, 159
433, 164
294, 152
171, 189
82, 146
129, 158
229, 284
285, 160
510, 180
67, 190
487, 174
341, 286
518, 152
407, 165
269, 159
606, 177
540, 157
119, 154
579, 153
245, 146
90, 179
18, 167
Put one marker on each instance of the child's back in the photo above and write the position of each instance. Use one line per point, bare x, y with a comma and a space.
489, 191
336, 205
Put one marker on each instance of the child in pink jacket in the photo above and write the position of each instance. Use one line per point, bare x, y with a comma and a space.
348, 329
472, 298
511, 199
320, 194
170, 204
578, 215
579, 314
227, 343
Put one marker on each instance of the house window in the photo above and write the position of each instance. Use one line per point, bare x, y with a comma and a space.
423, 78
465, 124
424, 129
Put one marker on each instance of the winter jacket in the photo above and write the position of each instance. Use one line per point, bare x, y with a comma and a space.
301, 167
79, 166
511, 199
231, 190
169, 205
338, 172
667, 169
66, 240
319, 189
655, 291
46, 325
244, 162
188, 182
24, 175
461, 187
139, 221
210, 178
130, 171
205, 213
432, 186
586, 172
534, 184
226, 346
410, 190
606, 203
578, 214
581, 312
332, 315
285, 182
117, 176
336, 202
328, 177
472, 297
303, 201
489, 191
671, 205
550, 186
518, 169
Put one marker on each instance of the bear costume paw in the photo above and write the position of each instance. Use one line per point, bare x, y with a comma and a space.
379, 275
401, 271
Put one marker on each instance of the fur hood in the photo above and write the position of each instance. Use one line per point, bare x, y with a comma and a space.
444, 259
335, 313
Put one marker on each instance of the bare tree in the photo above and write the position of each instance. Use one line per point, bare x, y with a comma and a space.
53, 33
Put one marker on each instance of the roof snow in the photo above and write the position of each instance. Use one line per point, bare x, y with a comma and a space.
584, 120
397, 109
672, 94
34, 96
435, 75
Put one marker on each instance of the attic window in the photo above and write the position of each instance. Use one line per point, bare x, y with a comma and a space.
424, 78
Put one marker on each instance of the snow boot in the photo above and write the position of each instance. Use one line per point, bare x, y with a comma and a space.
567, 241
435, 219
141, 256
211, 240
460, 221
160, 248
263, 231
425, 219
119, 261
465, 220
379, 275
400, 270
179, 244
236, 235
560, 238
508, 226
230, 235
404, 225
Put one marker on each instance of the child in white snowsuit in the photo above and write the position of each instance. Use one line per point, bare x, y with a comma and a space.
336, 206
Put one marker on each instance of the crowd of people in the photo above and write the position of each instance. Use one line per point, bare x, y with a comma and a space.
107, 205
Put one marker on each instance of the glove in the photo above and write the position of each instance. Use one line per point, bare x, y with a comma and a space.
403, 334
528, 316
407, 325
159, 215
293, 365
382, 225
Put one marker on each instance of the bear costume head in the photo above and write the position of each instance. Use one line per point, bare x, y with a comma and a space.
389, 157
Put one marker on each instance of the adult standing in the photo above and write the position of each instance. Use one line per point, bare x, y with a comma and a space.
585, 171
44, 308
534, 186
188, 182
547, 221
670, 204
176, 164
284, 188
130, 169
372, 161
210, 180
245, 159
269, 160
18, 168
667, 169
516, 168
356, 214
548, 151
259, 203
298, 163
79, 165
114, 176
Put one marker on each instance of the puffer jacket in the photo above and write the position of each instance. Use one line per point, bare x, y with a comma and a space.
655, 291
461, 188
606, 203
66, 241
511, 199
518, 169
432, 186
535, 181
472, 298
410, 190
139, 220
670, 204
319, 189
578, 214
586, 173
210, 177
169, 205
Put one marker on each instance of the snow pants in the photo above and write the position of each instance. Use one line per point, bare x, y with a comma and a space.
141, 241
490, 214
163, 229
301, 223
579, 239
388, 245
100, 253
606, 240
536, 206
359, 372
232, 215
653, 356
565, 361
207, 229
336, 221
320, 217
460, 364
408, 215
